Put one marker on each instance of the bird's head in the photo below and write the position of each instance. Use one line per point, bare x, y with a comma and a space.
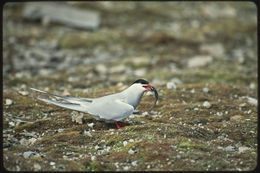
144, 85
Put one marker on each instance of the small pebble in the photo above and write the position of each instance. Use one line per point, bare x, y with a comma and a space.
134, 163
87, 133
131, 140
126, 168
236, 118
37, 167
205, 90
8, 102
91, 125
60, 130
242, 149
93, 158
12, 124
28, 154
252, 101
52, 163
24, 142
125, 143
24, 93
131, 151
252, 86
207, 104
32, 141
171, 85
229, 148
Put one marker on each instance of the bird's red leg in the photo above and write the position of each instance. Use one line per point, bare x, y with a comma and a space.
117, 125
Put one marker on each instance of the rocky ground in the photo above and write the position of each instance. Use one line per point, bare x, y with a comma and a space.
201, 57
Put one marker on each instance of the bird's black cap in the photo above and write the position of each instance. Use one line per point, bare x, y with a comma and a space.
141, 81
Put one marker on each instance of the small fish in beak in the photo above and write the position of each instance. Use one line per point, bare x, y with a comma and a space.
156, 96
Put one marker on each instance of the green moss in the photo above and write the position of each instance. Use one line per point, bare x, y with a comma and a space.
129, 146
93, 166
33, 125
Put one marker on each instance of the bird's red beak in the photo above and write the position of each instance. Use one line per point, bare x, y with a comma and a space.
148, 87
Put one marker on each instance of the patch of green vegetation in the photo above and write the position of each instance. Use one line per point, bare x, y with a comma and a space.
33, 125
130, 146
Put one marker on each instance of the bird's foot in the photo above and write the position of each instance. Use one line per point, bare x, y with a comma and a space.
119, 124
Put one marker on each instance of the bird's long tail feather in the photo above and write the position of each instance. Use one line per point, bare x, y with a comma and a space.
66, 98
71, 106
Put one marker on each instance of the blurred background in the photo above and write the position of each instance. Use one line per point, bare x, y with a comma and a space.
200, 56
113, 42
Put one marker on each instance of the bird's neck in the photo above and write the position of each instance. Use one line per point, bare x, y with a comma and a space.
133, 96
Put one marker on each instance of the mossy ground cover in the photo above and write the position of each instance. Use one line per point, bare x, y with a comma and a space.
181, 134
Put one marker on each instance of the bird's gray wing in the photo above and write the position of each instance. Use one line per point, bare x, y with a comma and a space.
114, 110
71, 106
66, 98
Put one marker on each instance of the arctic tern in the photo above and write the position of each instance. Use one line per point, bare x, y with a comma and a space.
110, 108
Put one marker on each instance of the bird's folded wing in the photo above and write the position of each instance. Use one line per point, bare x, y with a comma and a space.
110, 109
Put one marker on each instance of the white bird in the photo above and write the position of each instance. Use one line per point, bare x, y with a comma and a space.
110, 108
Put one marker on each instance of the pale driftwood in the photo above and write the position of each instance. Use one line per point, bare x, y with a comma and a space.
62, 14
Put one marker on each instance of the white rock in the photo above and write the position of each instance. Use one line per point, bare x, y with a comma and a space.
131, 151
229, 148
24, 142
11, 123
91, 125
145, 113
140, 60
199, 61
252, 86
177, 81
60, 130
216, 49
126, 168
157, 81
140, 72
205, 90
243, 149
219, 113
24, 93
192, 91
37, 167
32, 141
242, 105
93, 158
131, 140
87, 133
28, 154
118, 69
171, 85
101, 68
65, 93
196, 109
77, 118
8, 102
252, 101
207, 104
52, 163
134, 163
125, 143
